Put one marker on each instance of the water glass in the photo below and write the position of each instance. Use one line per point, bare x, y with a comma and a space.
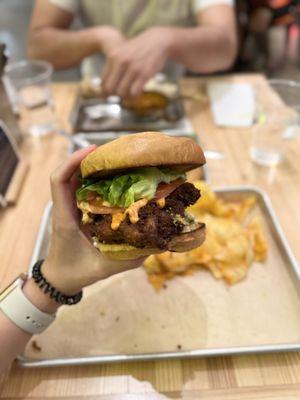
277, 121
28, 84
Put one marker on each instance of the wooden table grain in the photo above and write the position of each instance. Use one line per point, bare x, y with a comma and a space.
270, 376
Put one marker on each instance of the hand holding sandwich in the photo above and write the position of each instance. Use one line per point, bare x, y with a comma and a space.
133, 199
73, 262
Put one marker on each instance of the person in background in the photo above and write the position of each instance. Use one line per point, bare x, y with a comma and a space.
138, 38
73, 263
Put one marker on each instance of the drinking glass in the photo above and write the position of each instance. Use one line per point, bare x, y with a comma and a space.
277, 121
28, 84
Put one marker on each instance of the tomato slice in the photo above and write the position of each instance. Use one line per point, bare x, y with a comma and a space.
165, 189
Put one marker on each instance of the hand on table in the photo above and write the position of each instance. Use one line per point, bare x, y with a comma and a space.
73, 262
131, 65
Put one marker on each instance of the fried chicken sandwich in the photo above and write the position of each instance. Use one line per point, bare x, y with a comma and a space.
134, 195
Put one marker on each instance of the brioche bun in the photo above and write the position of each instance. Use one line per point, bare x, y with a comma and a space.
183, 242
147, 149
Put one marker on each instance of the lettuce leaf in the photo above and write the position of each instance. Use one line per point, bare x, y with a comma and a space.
123, 190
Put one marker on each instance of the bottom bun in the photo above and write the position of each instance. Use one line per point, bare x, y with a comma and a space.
125, 251
188, 241
184, 242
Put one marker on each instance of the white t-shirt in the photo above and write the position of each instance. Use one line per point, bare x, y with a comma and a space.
134, 16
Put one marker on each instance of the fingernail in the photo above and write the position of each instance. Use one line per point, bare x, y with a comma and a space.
89, 147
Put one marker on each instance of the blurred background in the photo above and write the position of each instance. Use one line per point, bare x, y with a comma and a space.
267, 43
14, 24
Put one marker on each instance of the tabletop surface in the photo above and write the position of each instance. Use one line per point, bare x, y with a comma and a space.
269, 376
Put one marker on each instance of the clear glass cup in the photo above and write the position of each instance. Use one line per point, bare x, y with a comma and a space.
277, 121
28, 84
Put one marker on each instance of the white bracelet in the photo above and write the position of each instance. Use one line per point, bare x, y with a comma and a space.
16, 306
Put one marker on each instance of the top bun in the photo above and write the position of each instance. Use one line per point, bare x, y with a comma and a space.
145, 149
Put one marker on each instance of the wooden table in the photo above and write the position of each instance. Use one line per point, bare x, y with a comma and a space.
275, 376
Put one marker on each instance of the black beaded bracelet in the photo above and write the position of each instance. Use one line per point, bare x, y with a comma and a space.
47, 288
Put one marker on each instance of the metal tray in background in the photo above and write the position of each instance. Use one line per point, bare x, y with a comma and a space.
119, 119
82, 140
239, 316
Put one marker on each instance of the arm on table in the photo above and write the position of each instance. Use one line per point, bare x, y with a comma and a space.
50, 40
209, 47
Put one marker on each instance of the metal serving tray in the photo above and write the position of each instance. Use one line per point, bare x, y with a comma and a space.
113, 117
196, 316
83, 140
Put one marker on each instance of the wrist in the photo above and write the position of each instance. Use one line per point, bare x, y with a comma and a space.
90, 39
166, 37
38, 298
106, 37
54, 274
172, 40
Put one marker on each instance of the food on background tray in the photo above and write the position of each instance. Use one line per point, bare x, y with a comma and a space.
211, 203
146, 104
234, 240
134, 195
163, 85
90, 87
